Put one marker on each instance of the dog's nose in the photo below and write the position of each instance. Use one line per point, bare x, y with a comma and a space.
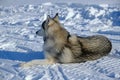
37, 32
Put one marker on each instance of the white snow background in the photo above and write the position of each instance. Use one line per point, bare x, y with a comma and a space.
19, 43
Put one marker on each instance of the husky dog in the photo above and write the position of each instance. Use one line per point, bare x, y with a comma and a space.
62, 47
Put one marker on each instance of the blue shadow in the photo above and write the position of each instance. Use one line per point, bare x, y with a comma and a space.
21, 56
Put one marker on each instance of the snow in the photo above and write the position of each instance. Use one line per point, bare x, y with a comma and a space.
48, 4
104, 5
70, 13
19, 43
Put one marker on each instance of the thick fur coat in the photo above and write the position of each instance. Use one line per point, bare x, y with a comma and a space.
62, 47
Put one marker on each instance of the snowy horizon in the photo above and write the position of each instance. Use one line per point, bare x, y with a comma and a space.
34, 2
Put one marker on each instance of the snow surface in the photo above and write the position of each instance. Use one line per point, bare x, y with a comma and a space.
18, 42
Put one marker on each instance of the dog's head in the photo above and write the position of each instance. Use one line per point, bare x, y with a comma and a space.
49, 26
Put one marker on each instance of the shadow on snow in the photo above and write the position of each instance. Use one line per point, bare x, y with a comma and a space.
21, 56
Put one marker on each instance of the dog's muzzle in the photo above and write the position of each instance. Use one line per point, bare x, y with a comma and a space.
40, 32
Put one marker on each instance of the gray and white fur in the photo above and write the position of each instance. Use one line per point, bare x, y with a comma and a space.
62, 47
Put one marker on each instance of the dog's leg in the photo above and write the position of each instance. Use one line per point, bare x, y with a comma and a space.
37, 62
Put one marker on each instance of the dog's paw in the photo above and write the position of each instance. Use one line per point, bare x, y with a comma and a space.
25, 65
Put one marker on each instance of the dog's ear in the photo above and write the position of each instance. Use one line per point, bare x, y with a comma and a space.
49, 20
56, 18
